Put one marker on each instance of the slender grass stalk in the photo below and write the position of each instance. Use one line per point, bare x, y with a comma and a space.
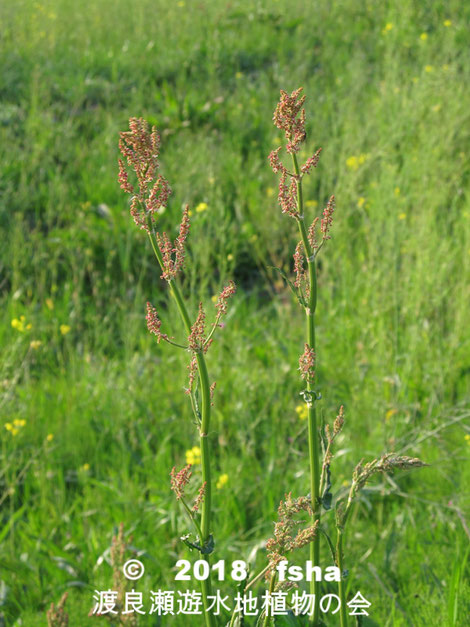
362, 474
341, 584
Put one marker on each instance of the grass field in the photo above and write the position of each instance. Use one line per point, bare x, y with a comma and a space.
99, 409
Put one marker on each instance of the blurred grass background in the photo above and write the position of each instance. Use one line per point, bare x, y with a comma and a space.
99, 410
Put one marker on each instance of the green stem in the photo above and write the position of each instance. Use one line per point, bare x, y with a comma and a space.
250, 584
204, 429
267, 619
314, 457
341, 584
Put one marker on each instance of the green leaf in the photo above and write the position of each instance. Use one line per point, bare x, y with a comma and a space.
327, 496
208, 545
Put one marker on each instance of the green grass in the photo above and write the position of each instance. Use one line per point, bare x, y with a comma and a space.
393, 331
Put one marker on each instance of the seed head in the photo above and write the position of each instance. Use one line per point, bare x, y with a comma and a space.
173, 254
179, 480
285, 118
200, 497
284, 540
197, 338
311, 162
154, 323
140, 148
307, 364
299, 269
327, 218
222, 301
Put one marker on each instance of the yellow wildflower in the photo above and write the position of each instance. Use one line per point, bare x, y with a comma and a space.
49, 303
270, 192
390, 413
397, 191
214, 298
447, 23
467, 438
202, 206
352, 163
429, 68
222, 480
20, 324
302, 411
239, 75
423, 36
311, 204
361, 202
50, 437
387, 28
64, 329
402, 216
193, 456
230, 257
19, 422
35, 344
85, 467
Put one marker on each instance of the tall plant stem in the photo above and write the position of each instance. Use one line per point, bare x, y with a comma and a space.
268, 619
341, 584
312, 418
203, 429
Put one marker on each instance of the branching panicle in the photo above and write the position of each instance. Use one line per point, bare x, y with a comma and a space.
307, 364
223, 298
179, 480
140, 147
154, 323
327, 219
197, 338
284, 540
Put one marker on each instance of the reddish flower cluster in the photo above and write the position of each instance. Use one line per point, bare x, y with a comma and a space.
154, 323
327, 219
311, 162
286, 118
287, 195
212, 390
173, 253
222, 301
197, 338
312, 233
197, 344
299, 265
179, 480
284, 541
275, 162
200, 497
307, 364
192, 368
140, 147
